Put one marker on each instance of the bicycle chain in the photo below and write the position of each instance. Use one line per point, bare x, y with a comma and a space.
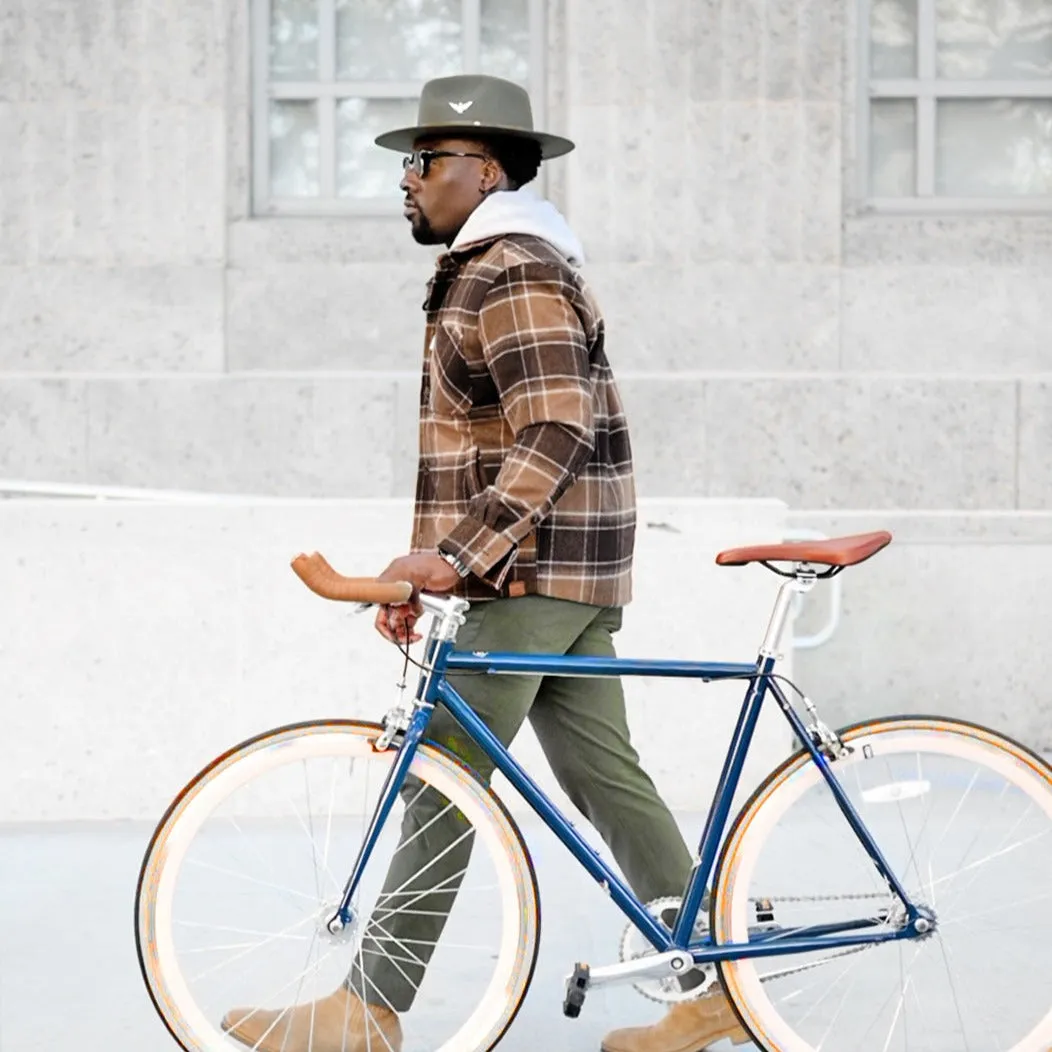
822, 898
813, 964
797, 969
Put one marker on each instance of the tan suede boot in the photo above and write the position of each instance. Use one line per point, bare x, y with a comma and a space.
689, 1027
337, 1024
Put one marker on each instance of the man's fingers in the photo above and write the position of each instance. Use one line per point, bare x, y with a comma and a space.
395, 624
383, 625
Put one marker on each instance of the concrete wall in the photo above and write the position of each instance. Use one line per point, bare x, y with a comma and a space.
138, 642
773, 340
953, 618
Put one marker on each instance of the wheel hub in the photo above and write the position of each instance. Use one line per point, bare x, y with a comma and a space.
333, 928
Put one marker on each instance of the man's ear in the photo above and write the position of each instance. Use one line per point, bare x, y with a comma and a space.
493, 177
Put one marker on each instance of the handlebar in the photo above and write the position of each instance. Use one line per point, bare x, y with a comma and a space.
323, 580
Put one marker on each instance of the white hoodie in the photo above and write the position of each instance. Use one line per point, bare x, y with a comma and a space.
520, 212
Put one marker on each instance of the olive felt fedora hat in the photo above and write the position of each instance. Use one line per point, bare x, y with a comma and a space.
474, 104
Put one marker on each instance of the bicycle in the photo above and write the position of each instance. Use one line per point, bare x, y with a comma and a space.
885, 887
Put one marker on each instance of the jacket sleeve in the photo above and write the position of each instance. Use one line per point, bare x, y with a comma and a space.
537, 354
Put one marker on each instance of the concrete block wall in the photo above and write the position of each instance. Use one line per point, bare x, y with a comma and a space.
772, 338
139, 641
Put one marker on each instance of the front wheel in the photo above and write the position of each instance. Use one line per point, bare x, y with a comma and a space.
250, 861
964, 818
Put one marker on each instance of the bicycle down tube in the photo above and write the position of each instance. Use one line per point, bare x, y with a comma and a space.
435, 689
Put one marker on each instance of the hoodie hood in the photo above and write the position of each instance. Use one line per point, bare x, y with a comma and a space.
520, 212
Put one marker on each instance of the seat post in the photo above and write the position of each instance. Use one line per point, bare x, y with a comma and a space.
802, 581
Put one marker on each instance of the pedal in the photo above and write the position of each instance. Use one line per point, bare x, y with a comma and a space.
764, 911
576, 988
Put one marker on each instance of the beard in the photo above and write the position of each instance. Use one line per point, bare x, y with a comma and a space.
423, 232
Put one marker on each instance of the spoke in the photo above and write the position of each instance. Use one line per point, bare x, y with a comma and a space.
953, 817
309, 833
418, 895
419, 960
230, 930
281, 990
422, 942
968, 850
829, 987
424, 828
994, 854
416, 913
251, 880
244, 953
264, 864
299, 996
797, 969
999, 850
905, 827
270, 1029
365, 1004
906, 984
437, 858
384, 955
328, 820
837, 1014
1017, 904
238, 945
953, 992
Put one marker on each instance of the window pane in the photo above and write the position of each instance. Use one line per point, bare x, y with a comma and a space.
994, 39
893, 38
892, 148
294, 39
397, 39
505, 50
363, 169
994, 147
294, 149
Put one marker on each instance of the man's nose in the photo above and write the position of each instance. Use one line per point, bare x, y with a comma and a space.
410, 180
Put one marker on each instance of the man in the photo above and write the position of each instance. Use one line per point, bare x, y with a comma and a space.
525, 504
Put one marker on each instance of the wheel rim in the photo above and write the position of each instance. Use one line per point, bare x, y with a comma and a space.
965, 819
213, 934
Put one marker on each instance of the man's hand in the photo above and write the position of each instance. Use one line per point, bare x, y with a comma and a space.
426, 572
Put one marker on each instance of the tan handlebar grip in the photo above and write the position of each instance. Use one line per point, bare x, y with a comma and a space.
322, 579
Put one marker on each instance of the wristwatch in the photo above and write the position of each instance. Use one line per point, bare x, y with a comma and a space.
455, 562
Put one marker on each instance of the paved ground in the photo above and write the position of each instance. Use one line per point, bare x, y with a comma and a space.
69, 976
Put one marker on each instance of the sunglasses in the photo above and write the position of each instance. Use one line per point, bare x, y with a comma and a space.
420, 160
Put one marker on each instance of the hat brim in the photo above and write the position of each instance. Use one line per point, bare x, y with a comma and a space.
404, 139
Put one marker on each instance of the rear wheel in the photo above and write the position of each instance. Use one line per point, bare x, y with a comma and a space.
964, 818
250, 861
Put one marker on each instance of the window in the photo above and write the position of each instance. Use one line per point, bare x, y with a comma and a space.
330, 75
957, 104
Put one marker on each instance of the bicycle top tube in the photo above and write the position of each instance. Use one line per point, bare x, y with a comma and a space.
449, 611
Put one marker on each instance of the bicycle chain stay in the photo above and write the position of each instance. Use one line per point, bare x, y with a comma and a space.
845, 897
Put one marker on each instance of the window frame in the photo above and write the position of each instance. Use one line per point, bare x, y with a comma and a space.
925, 90
326, 91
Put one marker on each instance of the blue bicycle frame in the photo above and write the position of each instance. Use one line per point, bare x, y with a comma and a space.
435, 689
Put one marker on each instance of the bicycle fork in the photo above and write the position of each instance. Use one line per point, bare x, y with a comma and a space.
410, 720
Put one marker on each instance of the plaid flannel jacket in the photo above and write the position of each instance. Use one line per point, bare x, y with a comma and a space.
525, 469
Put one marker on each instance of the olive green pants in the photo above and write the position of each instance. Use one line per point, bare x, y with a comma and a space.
582, 728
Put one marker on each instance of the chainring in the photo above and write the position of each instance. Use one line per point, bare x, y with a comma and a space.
668, 990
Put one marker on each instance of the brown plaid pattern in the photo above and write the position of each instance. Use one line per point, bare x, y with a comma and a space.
525, 466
